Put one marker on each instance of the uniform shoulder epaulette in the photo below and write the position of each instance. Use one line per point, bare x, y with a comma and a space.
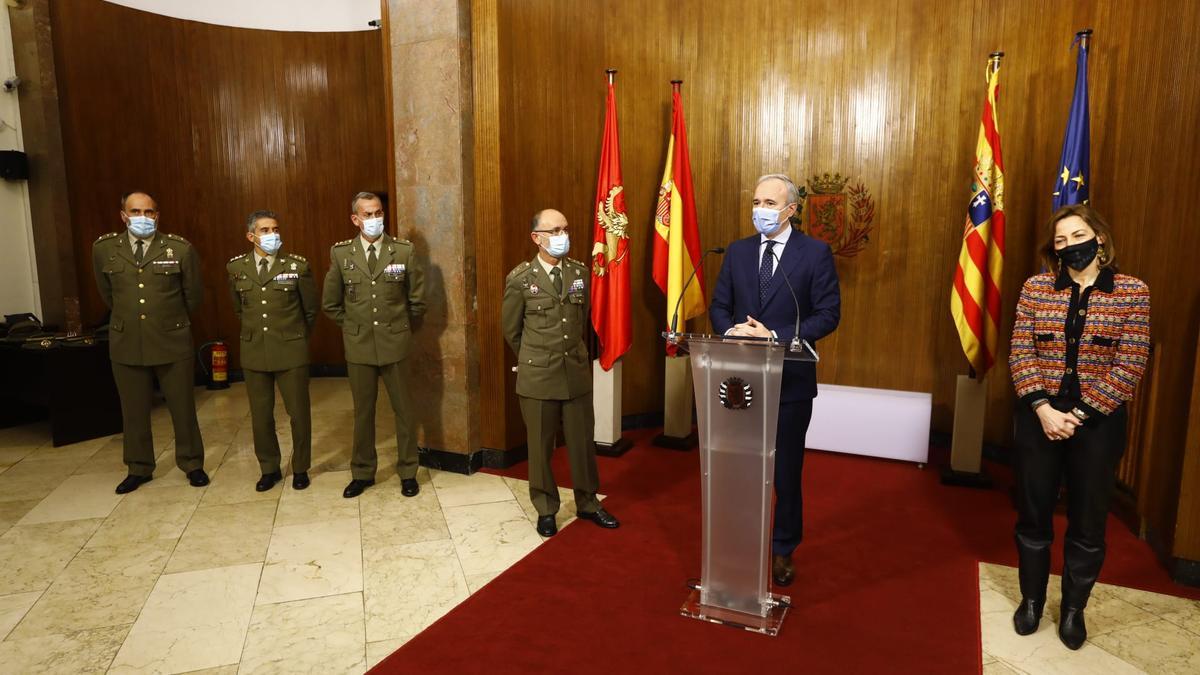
406, 242
238, 257
176, 238
346, 242
110, 235
297, 257
576, 262
517, 270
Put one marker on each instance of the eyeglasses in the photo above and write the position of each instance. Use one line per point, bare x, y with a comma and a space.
555, 232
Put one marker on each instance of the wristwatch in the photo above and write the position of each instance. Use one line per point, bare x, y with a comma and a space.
1079, 414
1039, 403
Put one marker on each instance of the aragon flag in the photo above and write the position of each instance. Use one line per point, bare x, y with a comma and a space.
677, 237
610, 246
975, 298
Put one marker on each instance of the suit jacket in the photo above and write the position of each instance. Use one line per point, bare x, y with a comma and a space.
546, 332
374, 309
808, 264
150, 302
276, 314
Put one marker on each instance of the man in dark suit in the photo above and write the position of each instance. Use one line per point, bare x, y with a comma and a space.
752, 299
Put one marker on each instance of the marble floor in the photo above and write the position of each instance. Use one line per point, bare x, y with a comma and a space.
1129, 631
223, 579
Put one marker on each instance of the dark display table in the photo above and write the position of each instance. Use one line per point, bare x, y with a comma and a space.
71, 385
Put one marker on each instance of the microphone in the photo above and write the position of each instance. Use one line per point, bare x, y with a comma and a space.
675, 316
795, 345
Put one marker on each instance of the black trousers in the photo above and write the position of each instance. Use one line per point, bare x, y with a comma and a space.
788, 528
1086, 463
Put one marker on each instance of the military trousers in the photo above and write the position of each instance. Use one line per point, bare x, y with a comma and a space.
364, 389
293, 388
135, 386
542, 419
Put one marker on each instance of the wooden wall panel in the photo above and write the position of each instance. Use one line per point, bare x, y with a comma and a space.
891, 93
217, 122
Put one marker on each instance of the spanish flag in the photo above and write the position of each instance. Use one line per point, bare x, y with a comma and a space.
975, 299
677, 238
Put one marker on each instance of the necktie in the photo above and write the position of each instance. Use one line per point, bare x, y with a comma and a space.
764, 272
371, 258
262, 269
556, 277
137, 254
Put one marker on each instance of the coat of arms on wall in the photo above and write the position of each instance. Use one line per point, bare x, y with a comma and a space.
839, 213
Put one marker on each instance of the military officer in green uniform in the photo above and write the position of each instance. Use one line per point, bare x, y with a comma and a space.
545, 317
275, 298
374, 289
151, 282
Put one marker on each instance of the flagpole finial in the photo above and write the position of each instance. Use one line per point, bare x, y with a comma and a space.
996, 55
1086, 32
1084, 37
611, 72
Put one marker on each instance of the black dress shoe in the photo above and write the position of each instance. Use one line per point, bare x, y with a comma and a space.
356, 487
409, 487
132, 483
1027, 616
197, 477
300, 480
1071, 629
602, 518
546, 526
268, 481
782, 571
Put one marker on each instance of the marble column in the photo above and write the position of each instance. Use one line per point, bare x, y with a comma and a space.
54, 245
429, 61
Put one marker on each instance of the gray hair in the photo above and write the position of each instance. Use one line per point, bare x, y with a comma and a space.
257, 216
360, 197
793, 193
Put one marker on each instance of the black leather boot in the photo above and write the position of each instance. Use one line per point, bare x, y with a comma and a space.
1028, 616
1071, 629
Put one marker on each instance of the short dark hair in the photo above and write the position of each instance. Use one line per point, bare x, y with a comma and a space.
1094, 220
259, 215
537, 220
125, 197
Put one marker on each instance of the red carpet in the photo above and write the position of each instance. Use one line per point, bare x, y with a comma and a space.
886, 579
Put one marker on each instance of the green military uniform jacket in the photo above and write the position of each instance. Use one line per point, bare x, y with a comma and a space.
374, 309
277, 314
150, 302
547, 332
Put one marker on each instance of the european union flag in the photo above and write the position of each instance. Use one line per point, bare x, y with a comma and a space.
1071, 184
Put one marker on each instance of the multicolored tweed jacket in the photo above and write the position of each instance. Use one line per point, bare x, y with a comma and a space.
1113, 347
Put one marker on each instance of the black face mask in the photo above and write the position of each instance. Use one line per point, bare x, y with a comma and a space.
1079, 256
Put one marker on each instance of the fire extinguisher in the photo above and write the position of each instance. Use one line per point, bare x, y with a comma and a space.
218, 371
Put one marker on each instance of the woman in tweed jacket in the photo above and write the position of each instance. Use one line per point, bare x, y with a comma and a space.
1079, 348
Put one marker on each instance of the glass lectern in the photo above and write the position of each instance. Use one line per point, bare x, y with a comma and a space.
737, 382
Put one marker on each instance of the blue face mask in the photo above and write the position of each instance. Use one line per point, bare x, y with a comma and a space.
766, 221
372, 227
141, 226
270, 243
559, 245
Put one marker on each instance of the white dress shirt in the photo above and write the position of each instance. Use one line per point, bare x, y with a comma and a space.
780, 240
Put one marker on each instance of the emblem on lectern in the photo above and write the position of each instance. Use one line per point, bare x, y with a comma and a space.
735, 394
